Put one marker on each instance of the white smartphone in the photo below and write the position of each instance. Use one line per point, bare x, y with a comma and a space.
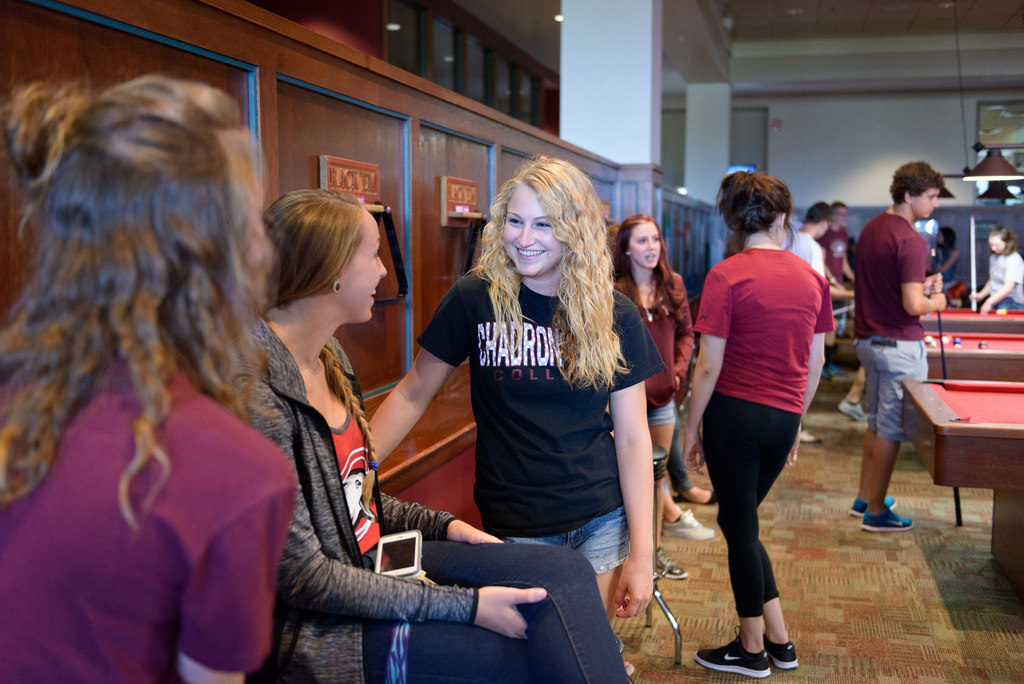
399, 554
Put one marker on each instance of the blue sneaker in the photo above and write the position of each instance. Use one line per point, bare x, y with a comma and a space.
886, 522
834, 371
860, 506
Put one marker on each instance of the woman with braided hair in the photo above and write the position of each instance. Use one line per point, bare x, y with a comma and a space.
497, 613
141, 520
763, 316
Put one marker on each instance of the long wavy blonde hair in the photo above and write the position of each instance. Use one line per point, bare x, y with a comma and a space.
584, 317
143, 202
315, 234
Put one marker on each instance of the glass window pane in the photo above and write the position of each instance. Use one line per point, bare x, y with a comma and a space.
476, 65
525, 99
502, 86
403, 36
443, 45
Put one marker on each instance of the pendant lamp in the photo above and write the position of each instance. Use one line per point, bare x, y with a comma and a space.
993, 167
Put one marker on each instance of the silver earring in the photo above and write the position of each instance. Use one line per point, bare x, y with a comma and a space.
337, 286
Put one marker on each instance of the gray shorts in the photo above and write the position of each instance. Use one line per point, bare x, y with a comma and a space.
886, 364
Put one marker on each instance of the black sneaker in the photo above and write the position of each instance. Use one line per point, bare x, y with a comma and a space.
732, 658
783, 655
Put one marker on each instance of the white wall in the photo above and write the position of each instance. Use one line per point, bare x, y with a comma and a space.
846, 147
610, 89
707, 139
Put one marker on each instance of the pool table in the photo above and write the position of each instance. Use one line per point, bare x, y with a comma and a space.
1001, 360
965, 320
971, 434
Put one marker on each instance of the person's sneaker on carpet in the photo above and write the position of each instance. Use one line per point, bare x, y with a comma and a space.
732, 658
783, 655
853, 411
687, 527
834, 372
886, 521
668, 568
860, 506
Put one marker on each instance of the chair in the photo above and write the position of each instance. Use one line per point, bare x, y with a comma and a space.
660, 461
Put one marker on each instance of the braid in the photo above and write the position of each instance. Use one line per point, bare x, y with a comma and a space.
339, 384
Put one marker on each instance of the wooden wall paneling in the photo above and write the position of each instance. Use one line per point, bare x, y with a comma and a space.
266, 128
45, 44
509, 161
312, 122
441, 252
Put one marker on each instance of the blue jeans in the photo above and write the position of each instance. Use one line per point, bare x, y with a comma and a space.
568, 639
1008, 304
681, 481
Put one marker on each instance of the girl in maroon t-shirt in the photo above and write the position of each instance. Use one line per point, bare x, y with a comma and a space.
763, 315
642, 273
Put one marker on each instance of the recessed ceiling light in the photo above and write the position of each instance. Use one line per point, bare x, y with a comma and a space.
394, 27
681, 190
559, 18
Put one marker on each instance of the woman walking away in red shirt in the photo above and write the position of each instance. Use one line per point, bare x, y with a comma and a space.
763, 317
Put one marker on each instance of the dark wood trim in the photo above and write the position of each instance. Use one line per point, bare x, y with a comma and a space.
446, 429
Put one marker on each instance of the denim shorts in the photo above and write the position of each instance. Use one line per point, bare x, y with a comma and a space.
886, 364
1008, 304
664, 415
604, 541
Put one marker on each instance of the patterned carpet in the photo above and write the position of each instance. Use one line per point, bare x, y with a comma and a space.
925, 606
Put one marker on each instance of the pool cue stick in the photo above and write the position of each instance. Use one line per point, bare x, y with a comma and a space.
974, 268
942, 355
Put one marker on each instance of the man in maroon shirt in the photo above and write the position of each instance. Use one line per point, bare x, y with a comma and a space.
834, 242
892, 292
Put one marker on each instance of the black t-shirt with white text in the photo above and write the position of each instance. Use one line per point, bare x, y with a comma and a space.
545, 459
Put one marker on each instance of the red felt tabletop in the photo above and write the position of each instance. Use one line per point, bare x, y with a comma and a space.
979, 402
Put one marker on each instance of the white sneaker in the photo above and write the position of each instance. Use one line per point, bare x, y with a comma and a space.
853, 411
687, 527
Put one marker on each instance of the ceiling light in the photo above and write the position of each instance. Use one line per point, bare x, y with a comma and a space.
997, 190
993, 167
394, 27
559, 18
794, 11
681, 190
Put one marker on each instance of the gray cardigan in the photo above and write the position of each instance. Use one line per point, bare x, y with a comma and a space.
323, 590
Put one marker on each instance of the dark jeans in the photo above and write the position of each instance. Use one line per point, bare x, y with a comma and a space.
568, 639
746, 445
681, 481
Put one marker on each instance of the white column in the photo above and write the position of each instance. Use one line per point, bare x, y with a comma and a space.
708, 107
611, 78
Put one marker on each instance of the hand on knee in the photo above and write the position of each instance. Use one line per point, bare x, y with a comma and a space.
497, 609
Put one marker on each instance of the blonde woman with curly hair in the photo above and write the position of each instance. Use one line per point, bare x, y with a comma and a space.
558, 360
140, 519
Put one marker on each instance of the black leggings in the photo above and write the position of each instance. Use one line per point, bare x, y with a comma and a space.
746, 446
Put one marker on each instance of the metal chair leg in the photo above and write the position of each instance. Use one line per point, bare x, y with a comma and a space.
657, 592
956, 504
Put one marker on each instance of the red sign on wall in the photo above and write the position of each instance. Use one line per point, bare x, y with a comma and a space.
459, 200
359, 179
